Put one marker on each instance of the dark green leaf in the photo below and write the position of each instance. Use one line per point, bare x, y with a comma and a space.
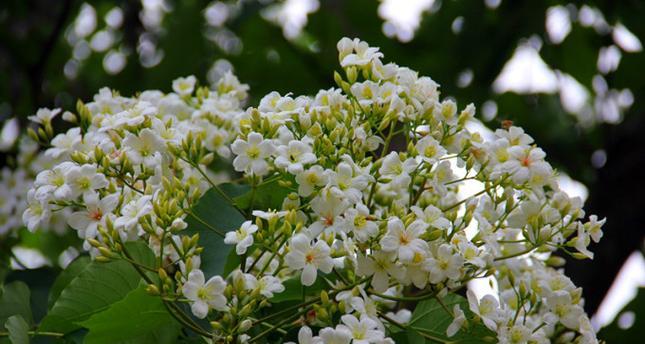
294, 290
66, 276
138, 318
97, 287
267, 196
18, 329
15, 301
214, 213
433, 318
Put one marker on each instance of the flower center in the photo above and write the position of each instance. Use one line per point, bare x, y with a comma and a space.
404, 239
360, 221
96, 215
253, 152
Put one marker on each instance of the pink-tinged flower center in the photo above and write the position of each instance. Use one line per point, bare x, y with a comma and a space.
96, 215
526, 161
404, 239
309, 258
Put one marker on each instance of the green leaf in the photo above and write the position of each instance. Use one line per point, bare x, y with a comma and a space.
215, 213
138, 318
97, 287
233, 261
294, 290
66, 276
18, 329
433, 318
267, 196
15, 301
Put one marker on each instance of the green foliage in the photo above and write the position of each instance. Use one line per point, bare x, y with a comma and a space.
295, 291
267, 195
18, 329
14, 300
212, 216
95, 288
65, 277
137, 318
432, 318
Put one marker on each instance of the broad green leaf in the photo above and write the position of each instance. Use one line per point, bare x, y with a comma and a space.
138, 318
66, 276
433, 318
15, 301
18, 329
294, 290
214, 213
97, 287
233, 261
267, 196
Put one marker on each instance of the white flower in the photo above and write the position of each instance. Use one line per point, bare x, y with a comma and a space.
86, 221
404, 241
444, 264
310, 179
487, 308
328, 205
44, 115
84, 180
266, 286
380, 265
308, 258
294, 156
363, 53
52, 183
269, 215
363, 331
204, 295
305, 336
63, 144
37, 212
143, 149
430, 150
560, 304
582, 241
515, 136
252, 154
329, 335
347, 181
594, 227
357, 221
392, 167
216, 141
527, 165
459, 318
432, 216
242, 238
516, 334
184, 86
133, 211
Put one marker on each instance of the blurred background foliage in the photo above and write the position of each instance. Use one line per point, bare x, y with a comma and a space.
571, 73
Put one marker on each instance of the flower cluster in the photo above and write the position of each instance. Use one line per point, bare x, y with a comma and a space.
387, 197
17, 178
